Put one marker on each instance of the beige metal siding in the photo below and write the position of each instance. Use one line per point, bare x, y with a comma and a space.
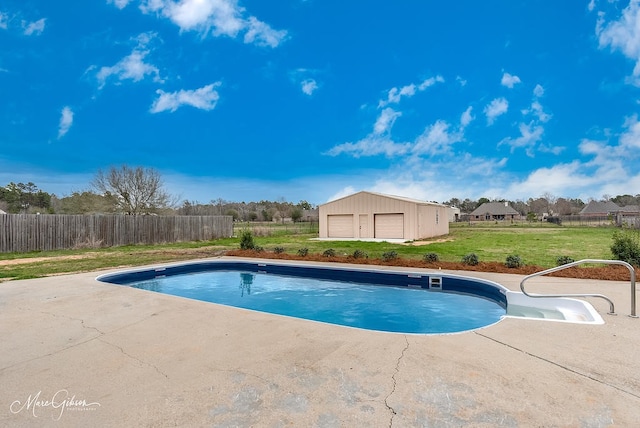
419, 219
340, 226
389, 226
433, 221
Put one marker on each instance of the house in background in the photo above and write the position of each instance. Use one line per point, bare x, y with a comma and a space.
454, 214
600, 209
497, 211
366, 215
629, 214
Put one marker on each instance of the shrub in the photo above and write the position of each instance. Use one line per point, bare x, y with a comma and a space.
278, 250
303, 252
431, 257
329, 252
359, 254
625, 247
258, 248
246, 240
470, 259
389, 256
564, 260
513, 261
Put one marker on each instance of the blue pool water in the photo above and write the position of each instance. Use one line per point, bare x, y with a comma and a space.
379, 305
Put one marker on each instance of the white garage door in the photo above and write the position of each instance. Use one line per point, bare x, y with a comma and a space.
389, 226
340, 226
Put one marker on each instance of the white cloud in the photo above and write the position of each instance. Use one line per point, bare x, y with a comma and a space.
395, 95
120, 4
372, 145
32, 28
466, 118
133, 66
605, 154
216, 17
204, 98
614, 162
262, 34
538, 91
461, 81
430, 82
495, 108
603, 167
304, 78
385, 121
623, 35
536, 108
530, 134
630, 139
591, 5
561, 179
309, 86
376, 143
130, 67
345, 191
66, 120
509, 80
4, 20
436, 139
422, 179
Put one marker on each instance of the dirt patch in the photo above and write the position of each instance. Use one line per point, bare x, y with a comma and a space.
608, 272
42, 259
420, 243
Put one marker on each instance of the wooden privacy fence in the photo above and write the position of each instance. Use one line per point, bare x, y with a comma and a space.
33, 232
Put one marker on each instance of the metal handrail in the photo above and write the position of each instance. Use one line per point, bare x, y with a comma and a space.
579, 262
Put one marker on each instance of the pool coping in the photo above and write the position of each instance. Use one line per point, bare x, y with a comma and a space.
132, 357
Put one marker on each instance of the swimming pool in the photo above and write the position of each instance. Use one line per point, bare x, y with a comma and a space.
382, 300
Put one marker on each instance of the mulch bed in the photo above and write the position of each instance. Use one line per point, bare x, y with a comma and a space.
603, 272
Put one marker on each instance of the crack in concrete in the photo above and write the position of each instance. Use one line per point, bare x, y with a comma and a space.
101, 333
82, 324
135, 358
98, 337
546, 360
49, 354
393, 378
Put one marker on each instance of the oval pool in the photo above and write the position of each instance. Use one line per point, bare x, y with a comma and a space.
382, 300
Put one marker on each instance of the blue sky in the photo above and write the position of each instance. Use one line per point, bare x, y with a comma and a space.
316, 99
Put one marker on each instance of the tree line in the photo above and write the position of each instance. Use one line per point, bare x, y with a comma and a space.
141, 191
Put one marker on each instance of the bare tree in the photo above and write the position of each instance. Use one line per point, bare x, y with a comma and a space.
563, 206
135, 190
551, 202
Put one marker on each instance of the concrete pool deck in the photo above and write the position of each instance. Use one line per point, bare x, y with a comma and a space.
77, 352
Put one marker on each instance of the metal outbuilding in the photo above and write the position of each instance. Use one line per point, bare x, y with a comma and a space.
366, 215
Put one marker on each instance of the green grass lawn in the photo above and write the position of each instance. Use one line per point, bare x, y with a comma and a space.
537, 244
